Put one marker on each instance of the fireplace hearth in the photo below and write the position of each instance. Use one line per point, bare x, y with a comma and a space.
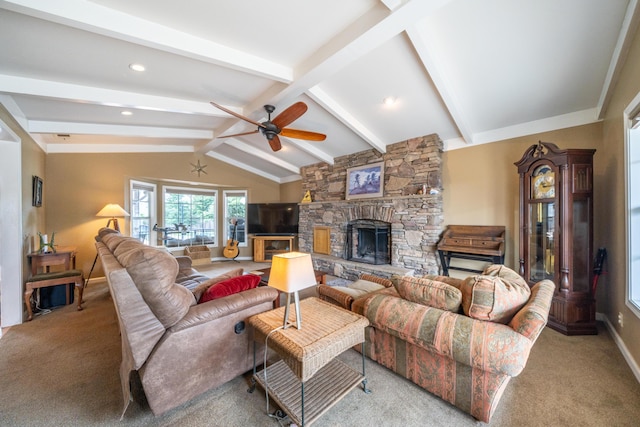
369, 241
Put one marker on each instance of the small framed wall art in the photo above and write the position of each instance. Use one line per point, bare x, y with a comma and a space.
37, 191
365, 181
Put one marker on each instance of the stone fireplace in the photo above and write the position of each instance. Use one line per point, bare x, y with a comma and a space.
413, 221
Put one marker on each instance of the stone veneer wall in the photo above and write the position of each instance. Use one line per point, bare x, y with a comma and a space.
416, 219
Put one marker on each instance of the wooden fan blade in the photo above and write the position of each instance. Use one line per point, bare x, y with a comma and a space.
303, 134
239, 134
275, 143
234, 114
290, 114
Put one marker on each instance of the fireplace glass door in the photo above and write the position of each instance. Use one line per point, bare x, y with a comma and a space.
369, 242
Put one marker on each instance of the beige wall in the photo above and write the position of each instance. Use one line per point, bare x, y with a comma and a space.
481, 183
77, 186
33, 218
291, 192
611, 208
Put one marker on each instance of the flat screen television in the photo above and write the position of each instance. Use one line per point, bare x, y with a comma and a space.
279, 219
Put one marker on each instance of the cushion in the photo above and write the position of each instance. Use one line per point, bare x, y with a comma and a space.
429, 292
496, 297
355, 293
203, 286
153, 271
113, 241
506, 273
105, 230
127, 244
359, 287
366, 285
229, 287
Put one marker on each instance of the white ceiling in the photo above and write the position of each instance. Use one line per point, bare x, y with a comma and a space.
471, 71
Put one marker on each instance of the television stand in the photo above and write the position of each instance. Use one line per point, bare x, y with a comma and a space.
265, 247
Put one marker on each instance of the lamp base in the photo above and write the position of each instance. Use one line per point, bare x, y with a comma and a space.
116, 226
298, 323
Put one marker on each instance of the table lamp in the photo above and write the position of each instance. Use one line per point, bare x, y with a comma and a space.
291, 272
113, 210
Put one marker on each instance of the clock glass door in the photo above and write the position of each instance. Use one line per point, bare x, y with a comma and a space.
542, 217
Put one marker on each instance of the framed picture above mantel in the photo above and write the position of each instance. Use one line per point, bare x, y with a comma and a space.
365, 181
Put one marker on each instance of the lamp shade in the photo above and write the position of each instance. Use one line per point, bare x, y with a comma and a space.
112, 210
291, 272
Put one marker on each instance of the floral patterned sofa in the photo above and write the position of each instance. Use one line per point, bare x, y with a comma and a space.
462, 340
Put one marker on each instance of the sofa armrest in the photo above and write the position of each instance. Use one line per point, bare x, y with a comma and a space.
184, 263
222, 307
489, 346
379, 280
185, 268
532, 318
334, 296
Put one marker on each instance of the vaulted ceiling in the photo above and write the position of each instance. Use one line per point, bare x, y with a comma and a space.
473, 72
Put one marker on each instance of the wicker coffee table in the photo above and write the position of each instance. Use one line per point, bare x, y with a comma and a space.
309, 380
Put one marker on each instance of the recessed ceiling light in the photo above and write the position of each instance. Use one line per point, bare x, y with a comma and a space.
126, 113
137, 67
389, 100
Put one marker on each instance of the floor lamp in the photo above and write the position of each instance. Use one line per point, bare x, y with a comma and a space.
290, 273
111, 211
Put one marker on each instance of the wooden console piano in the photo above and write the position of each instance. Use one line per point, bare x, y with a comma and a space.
471, 242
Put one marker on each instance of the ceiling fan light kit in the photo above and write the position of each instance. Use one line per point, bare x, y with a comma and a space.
271, 129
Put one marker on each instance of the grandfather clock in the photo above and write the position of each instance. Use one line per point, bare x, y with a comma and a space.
556, 231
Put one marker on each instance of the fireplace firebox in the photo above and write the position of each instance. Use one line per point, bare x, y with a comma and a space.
369, 241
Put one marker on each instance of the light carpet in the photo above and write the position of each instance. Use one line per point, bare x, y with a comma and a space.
62, 370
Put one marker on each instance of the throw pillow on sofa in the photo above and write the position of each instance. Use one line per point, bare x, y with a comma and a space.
202, 287
429, 292
230, 287
506, 273
496, 297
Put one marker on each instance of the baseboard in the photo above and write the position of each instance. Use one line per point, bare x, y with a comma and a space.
623, 348
96, 280
240, 258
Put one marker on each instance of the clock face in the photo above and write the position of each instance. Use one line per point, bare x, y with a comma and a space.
543, 184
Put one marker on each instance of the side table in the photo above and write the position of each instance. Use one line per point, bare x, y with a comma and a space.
308, 358
64, 258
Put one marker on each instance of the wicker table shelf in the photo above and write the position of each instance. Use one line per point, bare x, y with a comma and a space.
309, 380
331, 383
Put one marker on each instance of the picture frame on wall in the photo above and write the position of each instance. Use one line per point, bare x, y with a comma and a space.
37, 191
365, 181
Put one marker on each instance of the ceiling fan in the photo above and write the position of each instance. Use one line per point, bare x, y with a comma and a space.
272, 128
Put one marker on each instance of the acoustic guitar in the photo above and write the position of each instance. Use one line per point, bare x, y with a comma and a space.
231, 250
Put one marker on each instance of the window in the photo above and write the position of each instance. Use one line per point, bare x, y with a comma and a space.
189, 217
235, 210
632, 154
143, 209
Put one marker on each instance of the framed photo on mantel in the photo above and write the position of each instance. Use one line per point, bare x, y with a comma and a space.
365, 181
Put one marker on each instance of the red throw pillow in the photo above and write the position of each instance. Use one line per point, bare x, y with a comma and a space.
230, 286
